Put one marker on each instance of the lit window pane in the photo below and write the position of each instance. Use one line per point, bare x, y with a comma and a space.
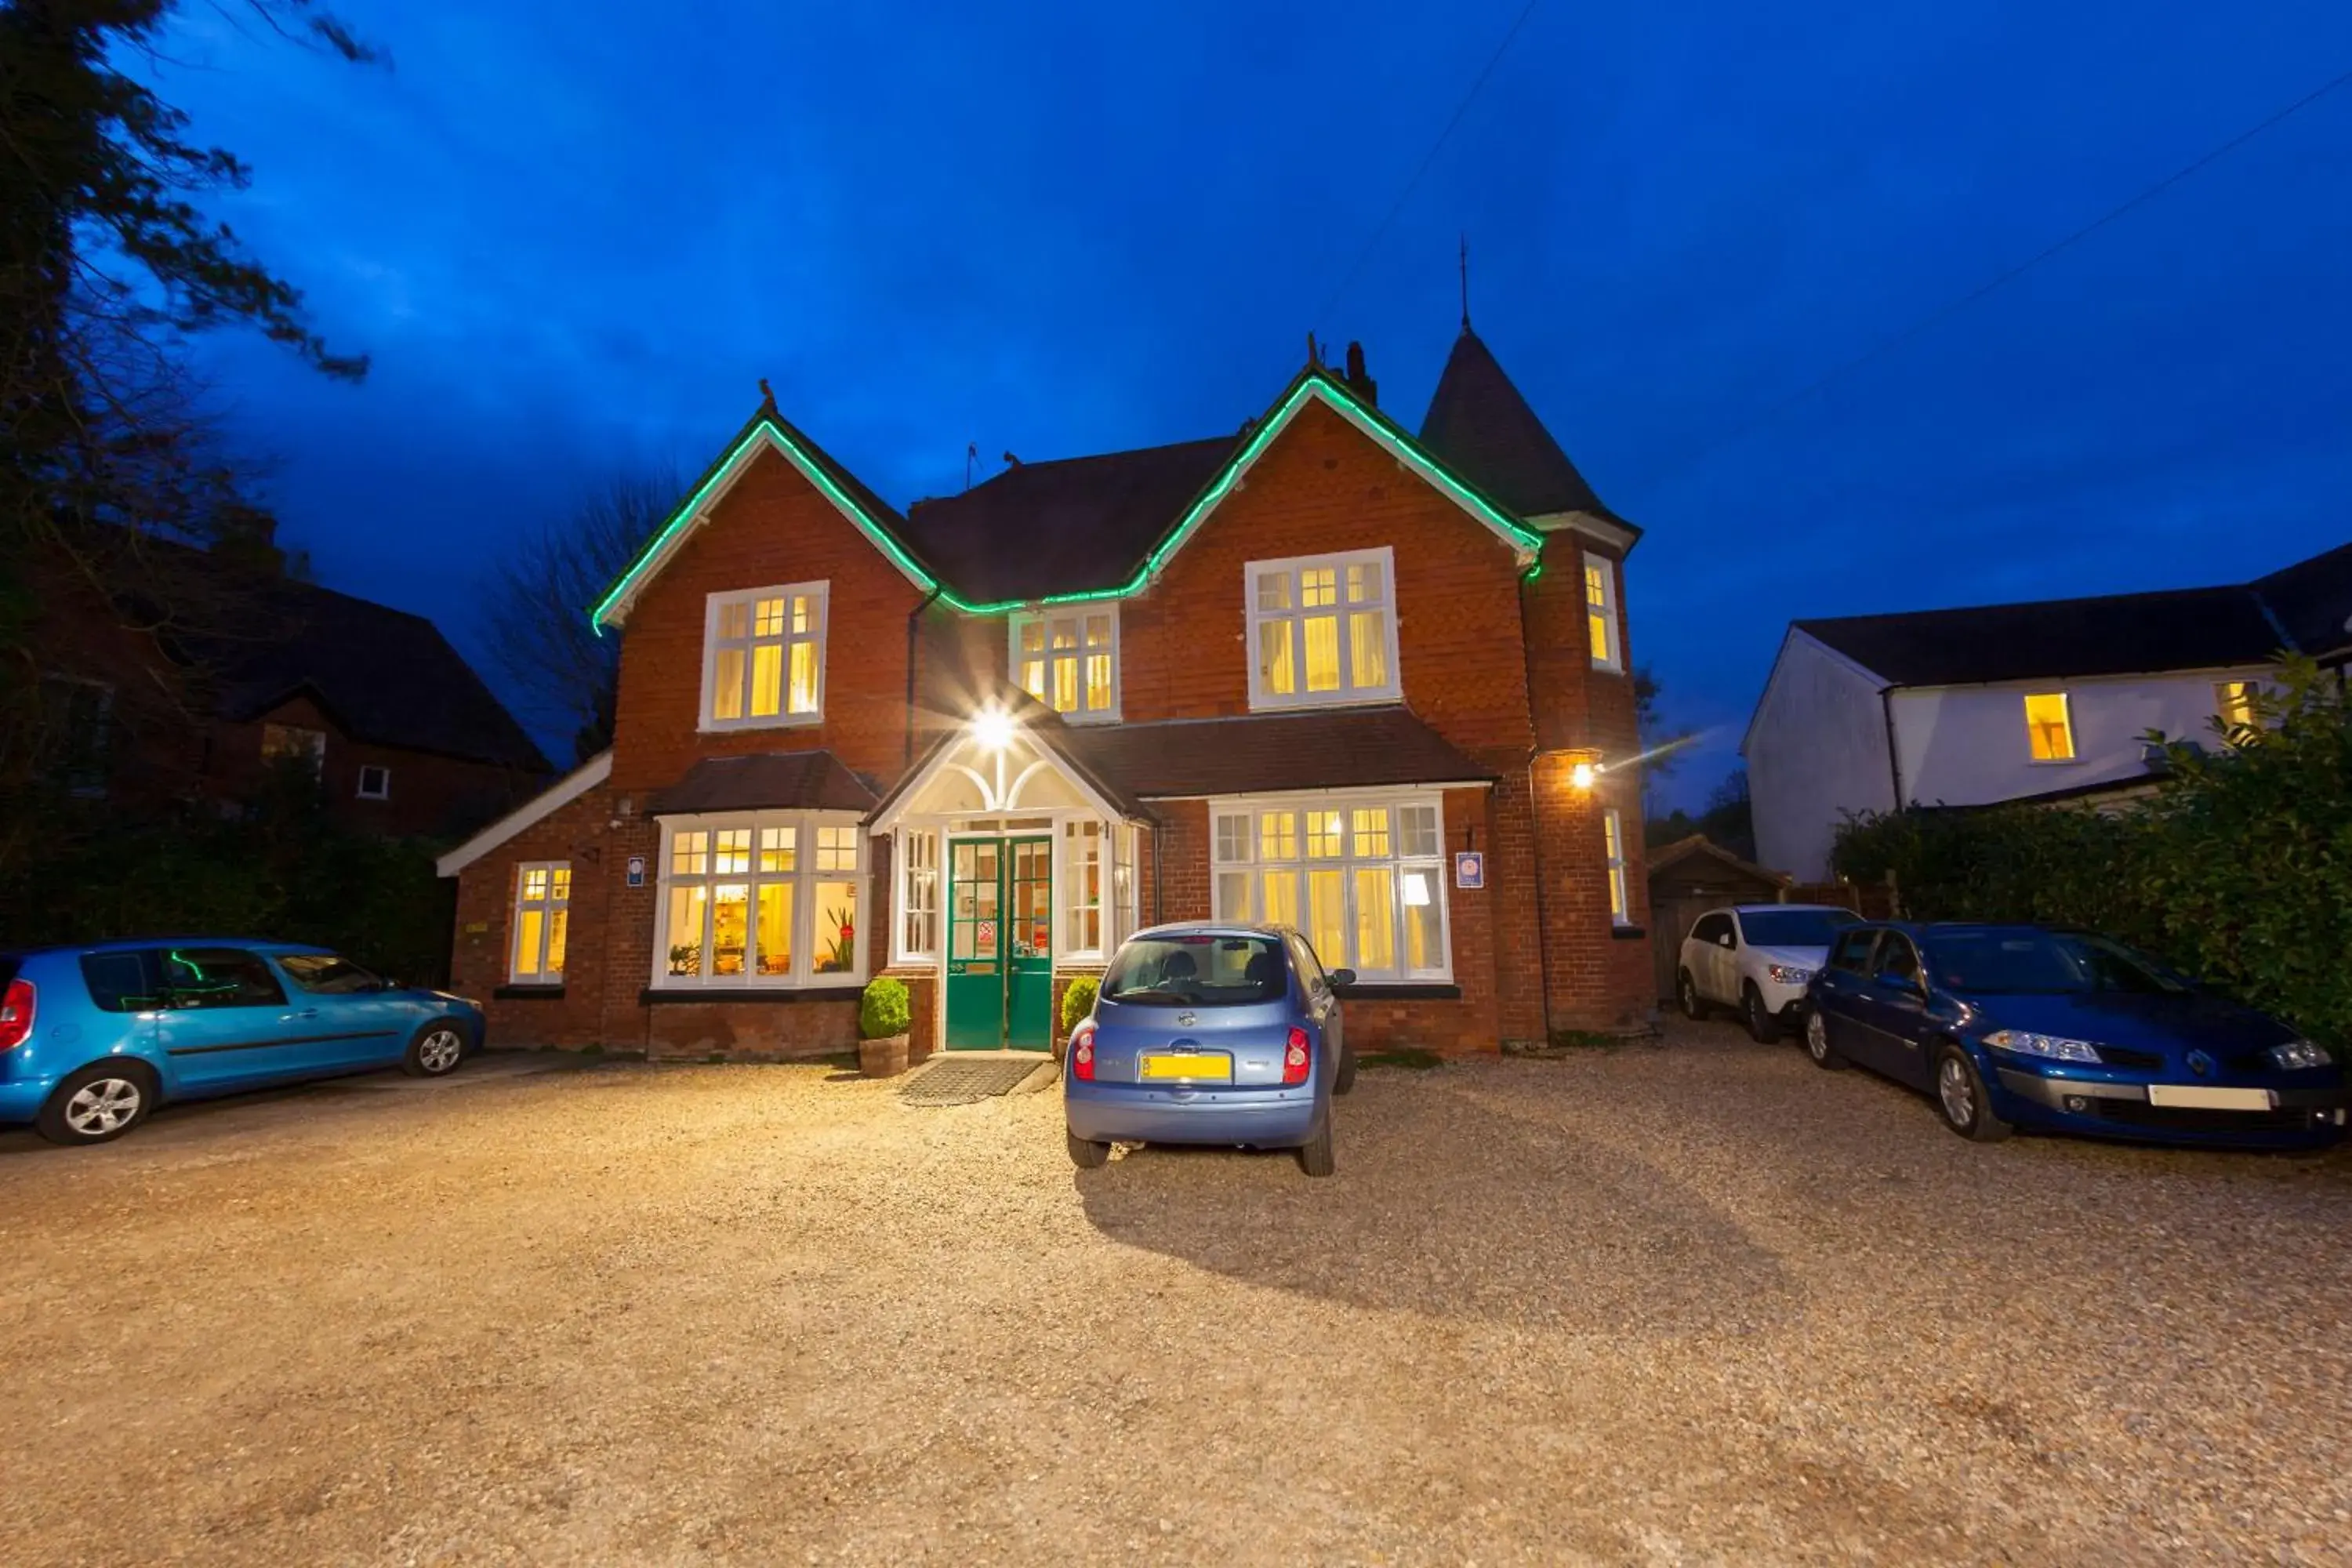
766, 680
1233, 895
734, 620
1033, 637
1597, 624
1364, 582
558, 919
1066, 685
1097, 683
1424, 943
803, 693
529, 923
689, 854
1233, 837
837, 926
559, 882
1273, 590
1596, 585
1277, 836
2048, 726
1323, 835
1274, 661
734, 851
1318, 586
1282, 898
686, 905
803, 615
726, 685
775, 934
836, 848
1327, 917
1418, 827
1065, 634
1098, 631
777, 849
1032, 677
1368, 649
1322, 653
534, 882
1372, 831
768, 618
2234, 703
1376, 918
730, 930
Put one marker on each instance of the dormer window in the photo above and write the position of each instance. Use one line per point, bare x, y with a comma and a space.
1323, 630
763, 658
1068, 659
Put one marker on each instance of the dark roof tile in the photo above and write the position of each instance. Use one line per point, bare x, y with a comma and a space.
2120, 634
767, 781
1337, 749
1482, 430
2313, 601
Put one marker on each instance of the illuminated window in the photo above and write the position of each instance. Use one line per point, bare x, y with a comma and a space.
2233, 703
1322, 631
1601, 613
2049, 729
1364, 880
918, 895
1068, 660
542, 914
763, 658
292, 742
1081, 872
766, 900
1613, 835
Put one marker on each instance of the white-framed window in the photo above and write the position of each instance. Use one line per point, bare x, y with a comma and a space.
1068, 659
1613, 836
1322, 629
2049, 727
1361, 878
1125, 839
918, 938
770, 898
1081, 874
542, 909
1601, 613
375, 782
763, 658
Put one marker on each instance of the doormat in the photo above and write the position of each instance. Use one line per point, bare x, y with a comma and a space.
966, 1081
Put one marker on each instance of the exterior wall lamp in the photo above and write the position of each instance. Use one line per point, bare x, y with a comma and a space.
1584, 769
993, 728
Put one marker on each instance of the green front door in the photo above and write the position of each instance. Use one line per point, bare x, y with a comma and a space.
1000, 943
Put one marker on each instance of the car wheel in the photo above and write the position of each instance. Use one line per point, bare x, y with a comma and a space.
1315, 1155
435, 1051
1086, 1154
1762, 1028
1346, 1080
99, 1103
1961, 1099
1686, 993
1817, 1042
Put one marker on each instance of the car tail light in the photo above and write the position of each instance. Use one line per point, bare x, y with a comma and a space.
1082, 1052
16, 1015
1294, 1058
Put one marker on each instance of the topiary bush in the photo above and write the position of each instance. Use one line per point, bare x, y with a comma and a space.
883, 1013
1078, 1001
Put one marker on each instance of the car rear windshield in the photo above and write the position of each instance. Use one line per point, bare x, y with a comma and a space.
2044, 964
1198, 971
1793, 928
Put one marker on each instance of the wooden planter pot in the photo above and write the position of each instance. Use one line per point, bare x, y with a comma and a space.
884, 1058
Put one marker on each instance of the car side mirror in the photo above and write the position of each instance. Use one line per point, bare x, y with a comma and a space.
1342, 977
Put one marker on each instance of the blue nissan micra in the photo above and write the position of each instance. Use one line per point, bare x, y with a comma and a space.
1210, 1033
92, 1038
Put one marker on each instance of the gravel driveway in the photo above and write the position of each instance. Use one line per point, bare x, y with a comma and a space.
1697, 1302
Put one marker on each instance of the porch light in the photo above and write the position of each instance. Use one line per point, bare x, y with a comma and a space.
993, 728
1585, 772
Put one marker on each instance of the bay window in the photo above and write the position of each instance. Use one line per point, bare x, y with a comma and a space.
766, 899
1362, 880
1322, 631
1068, 659
542, 912
763, 658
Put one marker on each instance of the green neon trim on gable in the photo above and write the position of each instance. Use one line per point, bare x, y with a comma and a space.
812, 471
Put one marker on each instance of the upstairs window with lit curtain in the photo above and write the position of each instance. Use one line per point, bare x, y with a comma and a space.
1364, 880
1601, 613
1323, 630
2049, 727
542, 914
763, 658
1068, 659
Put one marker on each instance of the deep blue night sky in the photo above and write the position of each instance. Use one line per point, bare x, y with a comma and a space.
573, 236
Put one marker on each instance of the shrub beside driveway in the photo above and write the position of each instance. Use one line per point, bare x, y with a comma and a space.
1696, 1300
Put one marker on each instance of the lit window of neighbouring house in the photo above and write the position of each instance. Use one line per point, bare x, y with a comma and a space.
2049, 728
1600, 612
1068, 659
765, 899
1323, 630
292, 742
542, 911
375, 782
1361, 880
2233, 703
763, 658
1613, 835
918, 895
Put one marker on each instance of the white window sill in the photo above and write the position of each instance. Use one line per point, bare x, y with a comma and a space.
728, 726
1260, 704
2054, 762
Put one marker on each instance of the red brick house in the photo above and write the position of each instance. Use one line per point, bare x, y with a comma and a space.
1323, 671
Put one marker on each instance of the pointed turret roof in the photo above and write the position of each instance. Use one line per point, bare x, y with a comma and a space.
1485, 431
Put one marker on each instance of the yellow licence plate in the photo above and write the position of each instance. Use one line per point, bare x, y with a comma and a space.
2201, 1099
1198, 1068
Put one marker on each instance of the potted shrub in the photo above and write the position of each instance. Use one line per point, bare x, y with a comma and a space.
1078, 1001
882, 1029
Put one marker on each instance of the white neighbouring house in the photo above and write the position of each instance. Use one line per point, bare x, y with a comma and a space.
2050, 700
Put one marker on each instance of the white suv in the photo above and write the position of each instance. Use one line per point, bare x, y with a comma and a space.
1758, 958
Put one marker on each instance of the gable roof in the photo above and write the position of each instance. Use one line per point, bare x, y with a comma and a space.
2313, 601
1135, 497
2115, 634
596, 771
1681, 850
386, 677
1484, 428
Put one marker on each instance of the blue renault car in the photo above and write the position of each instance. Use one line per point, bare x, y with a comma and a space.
2017, 1026
93, 1038
1210, 1033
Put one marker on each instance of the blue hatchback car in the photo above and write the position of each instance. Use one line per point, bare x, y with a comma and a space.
92, 1038
1210, 1033
2018, 1025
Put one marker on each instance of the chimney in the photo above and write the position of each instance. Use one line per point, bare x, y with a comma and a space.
1366, 387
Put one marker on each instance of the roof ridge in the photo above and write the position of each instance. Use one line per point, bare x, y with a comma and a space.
2029, 603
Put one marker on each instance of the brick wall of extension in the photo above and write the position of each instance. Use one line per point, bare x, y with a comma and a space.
1496, 665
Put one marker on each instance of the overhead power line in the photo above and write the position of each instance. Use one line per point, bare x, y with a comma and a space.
1381, 229
1945, 312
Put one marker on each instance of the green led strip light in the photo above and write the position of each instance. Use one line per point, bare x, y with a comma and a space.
1314, 384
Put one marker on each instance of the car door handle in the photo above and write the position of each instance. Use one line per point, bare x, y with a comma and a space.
307, 1013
